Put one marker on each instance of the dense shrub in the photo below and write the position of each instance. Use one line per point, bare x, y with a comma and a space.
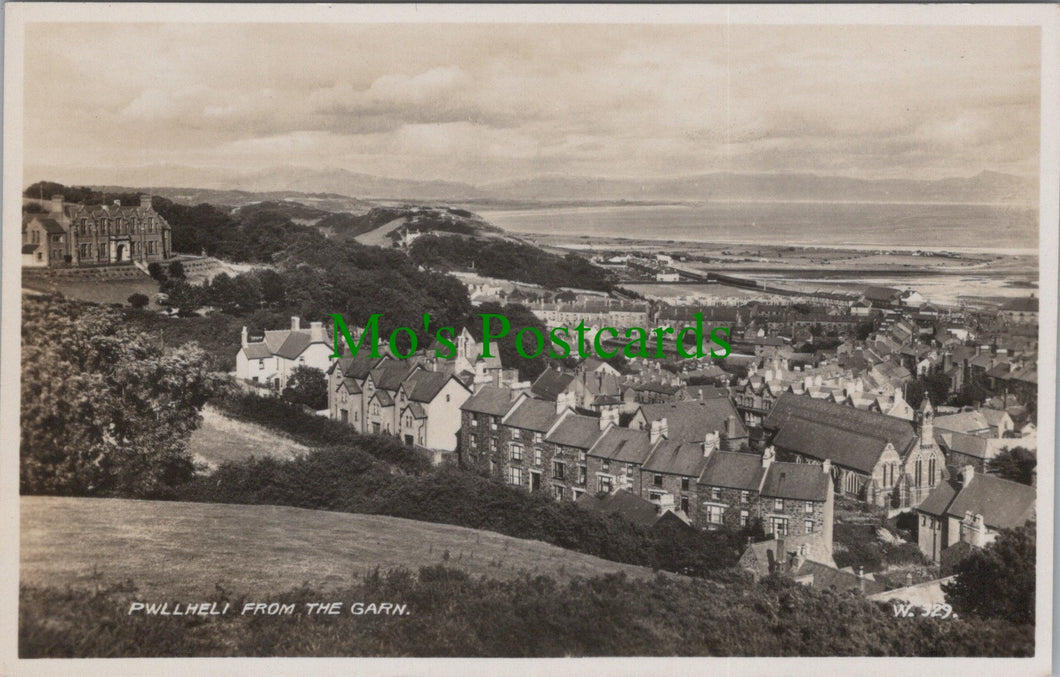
453, 614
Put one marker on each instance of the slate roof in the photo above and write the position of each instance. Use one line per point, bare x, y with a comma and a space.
356, 367
530, 414
289, 343
50, 225
351, 385
734, 470
825, 577
677, 458
390, 374
423, 386
1002, 503
796, 481
550, 384
257, 351
623, 445
417, 410
576, 431
995, 417
970, 445
492, 400
29, 248
384, 398
824, 430
691, 420
634, 508
965, 422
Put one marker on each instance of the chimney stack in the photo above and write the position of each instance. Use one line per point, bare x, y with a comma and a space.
967, 473
57, 204
768, 456
316, 331
145, 202
730, 427
658, 430
243, 337
608, 417
710, 443
564, 401
296, 323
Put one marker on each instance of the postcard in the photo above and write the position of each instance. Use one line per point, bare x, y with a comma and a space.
460, 339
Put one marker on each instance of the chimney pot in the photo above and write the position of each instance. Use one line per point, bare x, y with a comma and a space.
295, 323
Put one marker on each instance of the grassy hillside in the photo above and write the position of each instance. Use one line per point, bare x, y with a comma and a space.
173, 549
222, 438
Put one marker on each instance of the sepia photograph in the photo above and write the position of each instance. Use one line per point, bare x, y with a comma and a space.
641, 338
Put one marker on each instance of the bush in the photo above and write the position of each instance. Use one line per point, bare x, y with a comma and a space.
138, 300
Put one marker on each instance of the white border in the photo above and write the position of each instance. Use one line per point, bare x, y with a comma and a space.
17, 15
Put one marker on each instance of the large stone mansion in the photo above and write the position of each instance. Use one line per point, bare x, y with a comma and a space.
66, 234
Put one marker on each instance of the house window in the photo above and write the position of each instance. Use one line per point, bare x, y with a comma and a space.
657, 479
745, 497
537, 438
606, 466
517, 452
808, 526
537, 457
931, 472
493, 444
778, 526
606, 484
919, 472
558, 492
715, 493
808, 508
474, 421
301, 360
447, 398
515, 476
778, 503
583, 475
684, 504
745, 517
472, 441
923, 520
493, 422
684, 484
261, 364
713, 514
558, 470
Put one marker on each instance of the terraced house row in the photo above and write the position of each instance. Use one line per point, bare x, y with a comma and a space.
547, 446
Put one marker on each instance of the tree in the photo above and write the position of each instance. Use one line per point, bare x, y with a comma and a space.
155, 270
105, 409
307, 386
1017, 464
998, 581
138, 300
176, 270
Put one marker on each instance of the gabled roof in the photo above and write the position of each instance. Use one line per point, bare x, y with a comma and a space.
530, 414
550, 384
623, 445
797, 482
847, 436
356, 367
29, 248
995, 417
634, 508
351, 386
423, 386
575, 431
416, 409
1002, 503
257, 351
964, 422
733, 470
691, 420
391, 374
492, 400
677, 458
384, 398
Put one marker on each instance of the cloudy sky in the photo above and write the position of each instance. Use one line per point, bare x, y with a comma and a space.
479, 103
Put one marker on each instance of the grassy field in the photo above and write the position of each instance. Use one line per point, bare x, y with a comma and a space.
221, 438
185, 549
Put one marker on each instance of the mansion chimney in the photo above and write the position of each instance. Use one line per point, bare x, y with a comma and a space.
145, 202
658, 430
56, 206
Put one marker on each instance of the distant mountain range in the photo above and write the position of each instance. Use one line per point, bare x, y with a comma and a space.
985, 187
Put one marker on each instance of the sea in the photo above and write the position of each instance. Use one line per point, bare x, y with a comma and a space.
932, 226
